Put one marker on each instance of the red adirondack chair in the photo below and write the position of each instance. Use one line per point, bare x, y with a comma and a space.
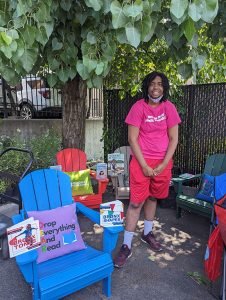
72, 160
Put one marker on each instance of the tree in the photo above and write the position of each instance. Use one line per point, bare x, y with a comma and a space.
78, 41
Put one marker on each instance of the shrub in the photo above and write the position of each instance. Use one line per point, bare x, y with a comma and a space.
44, 149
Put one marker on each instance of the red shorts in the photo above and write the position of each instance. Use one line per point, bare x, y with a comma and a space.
142, 187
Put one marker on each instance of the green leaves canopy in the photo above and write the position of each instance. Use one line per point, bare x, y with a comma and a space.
81, 37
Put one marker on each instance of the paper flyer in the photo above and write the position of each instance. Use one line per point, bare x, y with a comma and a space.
23, 237
111, 214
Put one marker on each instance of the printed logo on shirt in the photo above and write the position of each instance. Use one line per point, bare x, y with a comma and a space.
156, 119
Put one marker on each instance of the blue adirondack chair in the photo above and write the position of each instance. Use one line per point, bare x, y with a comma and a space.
53, 279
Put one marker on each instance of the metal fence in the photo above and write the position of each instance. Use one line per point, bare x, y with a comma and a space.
32, 98
202, 132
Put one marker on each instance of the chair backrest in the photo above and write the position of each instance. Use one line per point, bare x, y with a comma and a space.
45, 189
215, 164
127, 152
71, 159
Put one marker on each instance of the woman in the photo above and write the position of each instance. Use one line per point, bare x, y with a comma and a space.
153, 137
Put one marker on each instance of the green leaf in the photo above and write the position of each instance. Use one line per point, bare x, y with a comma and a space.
29, 33
146, 27
121, 36
199, 60
53, 63
118, 17
65, 4
72, 72
194, 12
13, 46
133, 35
3, 18
189, 29
209, 10
89, 63
185, 70
134, 9
22, 8
9, 74
108, 48
7, 39
95, 4
212, 4
89, 83
107, 6
28, 59
151, 31
41, 36
81, 17
6, 51
13, 33
42, 14
56, 45
99, 68
52, 79
178, 7
91, 38
82, 70
48, 27
63, 75
156, 5
97, 82
19, 51
19, 22
168, 37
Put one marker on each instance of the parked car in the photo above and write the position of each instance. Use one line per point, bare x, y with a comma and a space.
34, 98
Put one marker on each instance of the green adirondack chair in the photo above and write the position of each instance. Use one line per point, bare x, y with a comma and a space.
185, 199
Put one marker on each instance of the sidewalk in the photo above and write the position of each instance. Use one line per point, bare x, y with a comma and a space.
147, 275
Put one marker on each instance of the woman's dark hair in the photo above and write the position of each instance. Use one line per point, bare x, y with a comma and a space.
149, 78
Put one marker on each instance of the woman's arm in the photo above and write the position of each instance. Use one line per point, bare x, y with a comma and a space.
173, 141
133, 133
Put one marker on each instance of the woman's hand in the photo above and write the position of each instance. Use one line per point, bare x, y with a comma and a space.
148, 171
159, 169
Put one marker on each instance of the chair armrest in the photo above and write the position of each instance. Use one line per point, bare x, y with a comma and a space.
180, 181
102, 183
18, 218
27, 257
110, 233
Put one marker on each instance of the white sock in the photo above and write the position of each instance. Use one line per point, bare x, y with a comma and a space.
128, 236
148, 225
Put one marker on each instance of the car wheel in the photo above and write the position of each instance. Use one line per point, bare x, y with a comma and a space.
26, 112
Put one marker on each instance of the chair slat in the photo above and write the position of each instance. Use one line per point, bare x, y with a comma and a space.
71, 159
215, 164
28, 194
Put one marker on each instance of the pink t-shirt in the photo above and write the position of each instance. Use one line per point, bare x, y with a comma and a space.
153, 124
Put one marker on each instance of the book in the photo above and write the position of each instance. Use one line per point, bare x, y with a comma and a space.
101, 171
23, 237
115, 163
186, 176
111, 214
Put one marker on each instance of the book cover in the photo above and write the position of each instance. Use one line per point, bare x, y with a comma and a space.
101, 171
115, 163
111, 214
23, 237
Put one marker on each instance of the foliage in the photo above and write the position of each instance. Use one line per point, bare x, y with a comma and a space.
44, 149
83, 36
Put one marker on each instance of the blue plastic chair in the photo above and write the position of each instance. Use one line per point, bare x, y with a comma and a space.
53, 279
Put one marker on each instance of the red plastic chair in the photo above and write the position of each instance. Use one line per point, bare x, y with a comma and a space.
72, 160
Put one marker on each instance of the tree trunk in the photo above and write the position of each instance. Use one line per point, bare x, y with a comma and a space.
74, 113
